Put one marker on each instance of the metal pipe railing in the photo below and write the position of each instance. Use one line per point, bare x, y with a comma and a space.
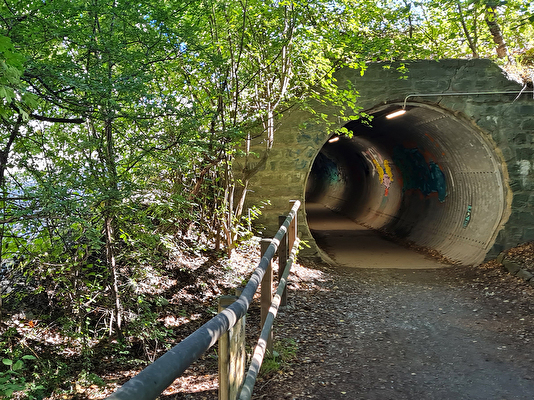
486, 93
154, 379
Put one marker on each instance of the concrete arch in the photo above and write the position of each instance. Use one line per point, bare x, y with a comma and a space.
484, 203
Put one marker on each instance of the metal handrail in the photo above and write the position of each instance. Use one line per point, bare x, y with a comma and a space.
517, 92
154, 379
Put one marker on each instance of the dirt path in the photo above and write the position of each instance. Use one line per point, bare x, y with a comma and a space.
403, 334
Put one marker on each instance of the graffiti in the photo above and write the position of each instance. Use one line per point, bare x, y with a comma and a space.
467, 216
388, 169
418, 174
371, 154
310, 135
327, 169
388, 176
385, 175
379, 170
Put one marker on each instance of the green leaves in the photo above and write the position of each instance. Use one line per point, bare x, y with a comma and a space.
12, 90
455, 29
13, 380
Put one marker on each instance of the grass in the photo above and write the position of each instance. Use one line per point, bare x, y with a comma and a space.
284, 352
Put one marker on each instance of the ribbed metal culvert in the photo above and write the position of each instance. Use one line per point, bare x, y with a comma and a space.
428, 176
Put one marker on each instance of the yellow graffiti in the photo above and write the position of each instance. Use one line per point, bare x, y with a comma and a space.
388, 170
379, 170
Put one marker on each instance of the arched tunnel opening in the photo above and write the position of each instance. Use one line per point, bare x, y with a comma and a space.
428, 176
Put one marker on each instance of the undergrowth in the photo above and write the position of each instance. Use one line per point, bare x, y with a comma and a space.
47, 352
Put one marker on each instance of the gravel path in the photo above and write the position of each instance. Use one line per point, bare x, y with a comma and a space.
406, 334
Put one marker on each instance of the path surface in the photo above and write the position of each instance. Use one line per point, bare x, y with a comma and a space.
353, 245
380, 333
406, 334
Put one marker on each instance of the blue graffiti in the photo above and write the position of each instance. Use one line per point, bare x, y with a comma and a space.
327, 169
418, 175
467, 216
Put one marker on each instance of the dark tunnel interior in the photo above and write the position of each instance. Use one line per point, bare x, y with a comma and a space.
428, 176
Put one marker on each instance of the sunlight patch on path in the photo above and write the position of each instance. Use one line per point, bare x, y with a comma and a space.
352, 245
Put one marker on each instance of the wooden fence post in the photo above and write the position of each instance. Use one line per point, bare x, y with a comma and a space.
232, 356
266, 292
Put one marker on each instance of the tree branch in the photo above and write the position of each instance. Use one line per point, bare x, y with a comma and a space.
54, 119
491, 21
472, 45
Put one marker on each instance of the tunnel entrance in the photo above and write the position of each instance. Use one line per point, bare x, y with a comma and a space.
428, 176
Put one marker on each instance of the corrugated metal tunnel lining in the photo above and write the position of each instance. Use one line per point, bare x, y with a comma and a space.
426, 176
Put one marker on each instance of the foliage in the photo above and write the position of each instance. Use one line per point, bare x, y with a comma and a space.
11, 66
463, 28
14, 380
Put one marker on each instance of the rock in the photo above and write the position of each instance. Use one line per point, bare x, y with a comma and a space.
524, 274
511, 266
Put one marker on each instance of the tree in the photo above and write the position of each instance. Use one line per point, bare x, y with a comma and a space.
97, 64
471, 28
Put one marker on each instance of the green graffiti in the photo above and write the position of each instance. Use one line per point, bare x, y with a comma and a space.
467, 216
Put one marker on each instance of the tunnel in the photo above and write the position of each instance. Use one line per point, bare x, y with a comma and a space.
425, 176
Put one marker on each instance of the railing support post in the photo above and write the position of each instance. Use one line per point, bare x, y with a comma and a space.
232, 356
266, 291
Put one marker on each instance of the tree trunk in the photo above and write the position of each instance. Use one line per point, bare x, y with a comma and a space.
230, 187
110, 255
4, 154
408, 9
241, 203
472, 43
109, 218
496, 33
4, 157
